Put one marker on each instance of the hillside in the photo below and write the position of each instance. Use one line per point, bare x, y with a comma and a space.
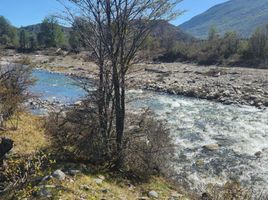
170, 32
242, 16
36, 28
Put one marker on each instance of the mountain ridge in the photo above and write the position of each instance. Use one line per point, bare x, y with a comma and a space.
241, 16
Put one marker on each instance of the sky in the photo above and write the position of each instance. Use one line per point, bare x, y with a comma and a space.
28, 12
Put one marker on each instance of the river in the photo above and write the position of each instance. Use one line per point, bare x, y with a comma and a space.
240, 131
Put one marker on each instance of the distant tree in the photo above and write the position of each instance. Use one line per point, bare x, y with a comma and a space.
51, 34
75, 39
24, 40
213, 34
230, 44
258, 43
8, 34
33, 43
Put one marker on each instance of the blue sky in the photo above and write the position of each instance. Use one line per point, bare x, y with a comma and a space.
27, 12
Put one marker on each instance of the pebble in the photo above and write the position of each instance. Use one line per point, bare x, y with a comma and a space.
98, 181
153, 194
74, 172
211, 147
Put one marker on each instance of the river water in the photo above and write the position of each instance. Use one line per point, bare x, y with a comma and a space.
240, 132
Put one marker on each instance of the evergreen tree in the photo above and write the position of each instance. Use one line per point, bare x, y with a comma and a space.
24, 40
51, 34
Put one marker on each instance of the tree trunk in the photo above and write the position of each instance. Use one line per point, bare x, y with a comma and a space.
119, 92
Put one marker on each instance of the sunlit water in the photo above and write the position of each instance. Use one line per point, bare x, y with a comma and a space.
240, 132
56, 87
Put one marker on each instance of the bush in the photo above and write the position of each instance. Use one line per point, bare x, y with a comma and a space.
20, 174
148, 149
14, 81
232, 190
76, 135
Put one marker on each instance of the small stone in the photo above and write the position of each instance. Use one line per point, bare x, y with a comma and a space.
58, 174
78, 103
153, 194
101, 177
73, 172
98, 181
211, 147
259, 104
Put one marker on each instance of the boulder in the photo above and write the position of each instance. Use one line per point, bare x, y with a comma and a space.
258, 154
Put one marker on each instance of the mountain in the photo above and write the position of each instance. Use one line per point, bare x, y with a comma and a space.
167, 31
241, 16
162, 30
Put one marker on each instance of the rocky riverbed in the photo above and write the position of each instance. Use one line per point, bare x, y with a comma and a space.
226, 85
247, 86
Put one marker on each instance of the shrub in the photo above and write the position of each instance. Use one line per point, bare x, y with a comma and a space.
14, 81
148, 149
20, 174
76, 135
232, 190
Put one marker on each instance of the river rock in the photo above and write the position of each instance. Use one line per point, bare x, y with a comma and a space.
211, 147
153, 194
58, 174
101, 177
74, 172
258, 154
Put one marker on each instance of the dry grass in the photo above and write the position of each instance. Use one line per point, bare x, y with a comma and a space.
29, 136
84, 186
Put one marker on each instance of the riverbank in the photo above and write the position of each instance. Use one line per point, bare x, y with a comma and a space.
246, 86
66, 180
226, 85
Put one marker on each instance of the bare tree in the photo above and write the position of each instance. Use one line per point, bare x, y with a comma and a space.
115, 30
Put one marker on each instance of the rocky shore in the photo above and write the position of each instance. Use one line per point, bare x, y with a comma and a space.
226, 85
